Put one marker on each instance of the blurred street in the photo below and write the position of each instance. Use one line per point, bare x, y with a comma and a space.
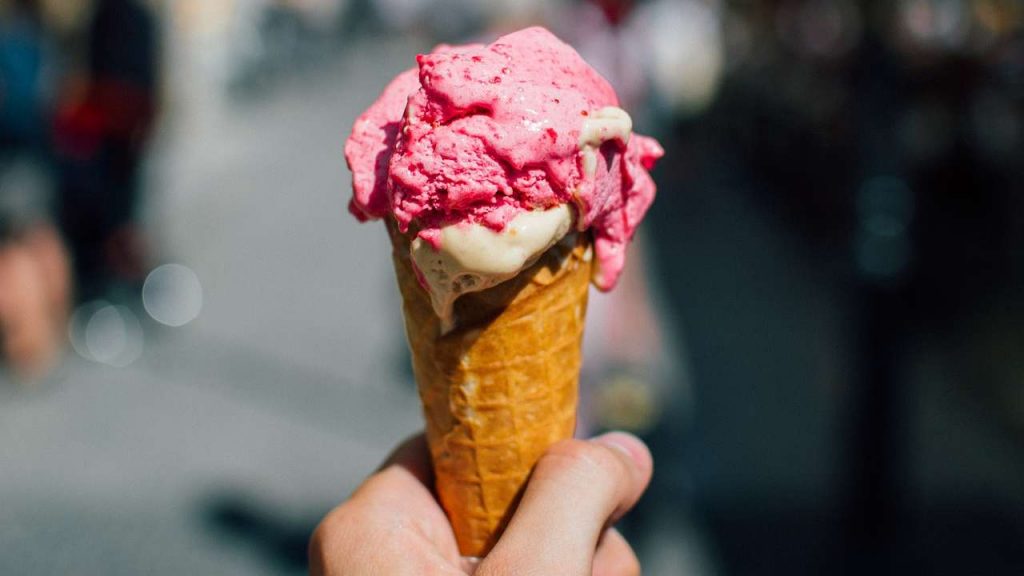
272, 396
821, 344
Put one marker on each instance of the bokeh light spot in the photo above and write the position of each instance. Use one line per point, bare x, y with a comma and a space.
106, 333
172, 295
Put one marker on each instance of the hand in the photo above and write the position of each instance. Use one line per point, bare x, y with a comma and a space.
393, 525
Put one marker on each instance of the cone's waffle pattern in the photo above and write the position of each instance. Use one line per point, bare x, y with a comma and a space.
500, 388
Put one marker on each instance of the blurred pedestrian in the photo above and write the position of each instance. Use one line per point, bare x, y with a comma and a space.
34, 270
101, 131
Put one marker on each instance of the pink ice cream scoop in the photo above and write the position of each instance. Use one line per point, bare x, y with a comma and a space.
481, 135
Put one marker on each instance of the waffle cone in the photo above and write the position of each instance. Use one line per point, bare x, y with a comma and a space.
501, 387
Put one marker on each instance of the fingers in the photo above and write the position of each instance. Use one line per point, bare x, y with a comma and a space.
615, 557
577, 489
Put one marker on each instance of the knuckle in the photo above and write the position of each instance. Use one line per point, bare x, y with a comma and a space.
586, 461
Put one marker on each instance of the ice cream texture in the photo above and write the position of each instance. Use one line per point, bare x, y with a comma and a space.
489, 155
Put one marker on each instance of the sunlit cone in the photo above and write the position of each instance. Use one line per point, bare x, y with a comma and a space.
500, 388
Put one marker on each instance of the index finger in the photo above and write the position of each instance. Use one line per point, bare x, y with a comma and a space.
390, 525
576, 490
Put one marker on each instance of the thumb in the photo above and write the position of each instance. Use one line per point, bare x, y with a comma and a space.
577, 489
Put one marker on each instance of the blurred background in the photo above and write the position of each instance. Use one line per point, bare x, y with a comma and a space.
820, 333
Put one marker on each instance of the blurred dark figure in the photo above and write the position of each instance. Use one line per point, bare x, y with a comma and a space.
103, 125
21, 65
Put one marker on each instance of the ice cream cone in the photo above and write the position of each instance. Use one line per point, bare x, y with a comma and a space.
499, 388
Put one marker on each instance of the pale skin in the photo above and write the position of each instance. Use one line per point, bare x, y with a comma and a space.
393, 524
35, 291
